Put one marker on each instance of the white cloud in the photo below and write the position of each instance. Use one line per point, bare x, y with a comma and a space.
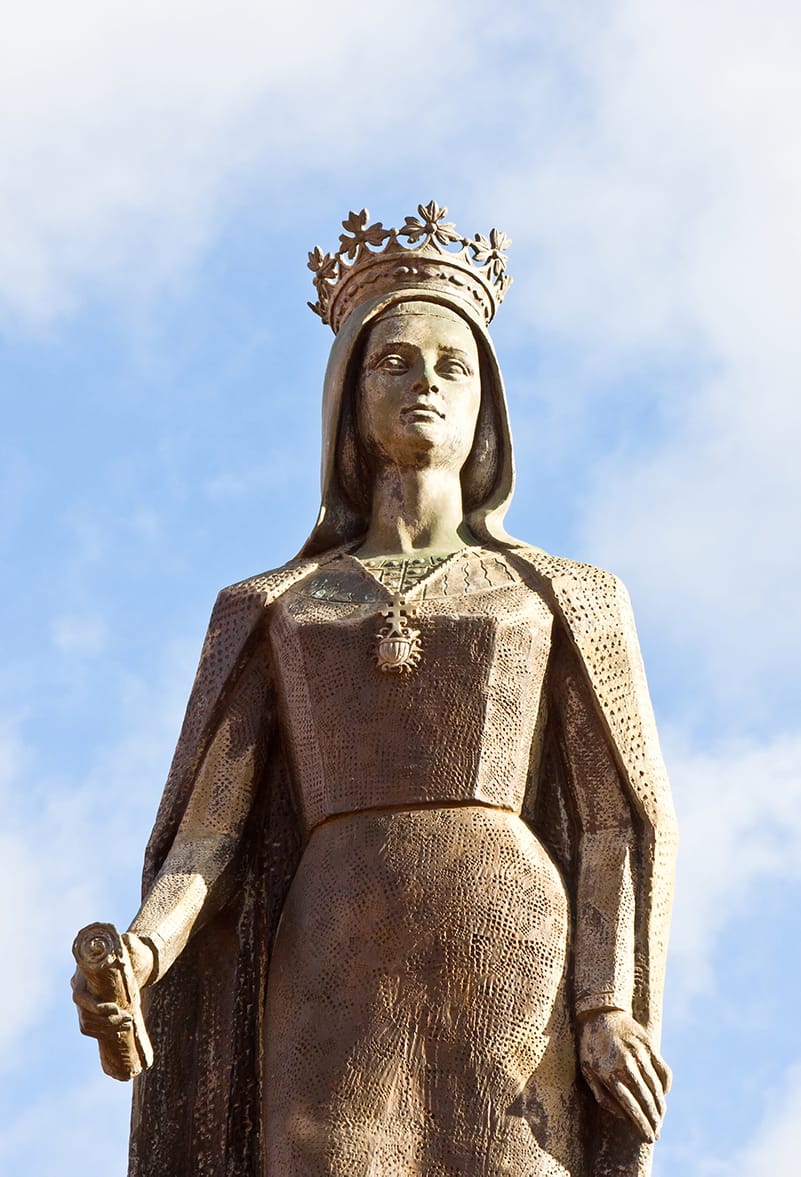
14, 755
122, 127
705, 531
662, 198
740, 825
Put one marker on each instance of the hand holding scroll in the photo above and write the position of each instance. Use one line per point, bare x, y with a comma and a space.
106, 989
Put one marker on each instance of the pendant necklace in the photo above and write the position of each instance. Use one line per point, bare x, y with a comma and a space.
398, 648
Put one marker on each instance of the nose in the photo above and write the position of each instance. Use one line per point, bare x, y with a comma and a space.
426, 378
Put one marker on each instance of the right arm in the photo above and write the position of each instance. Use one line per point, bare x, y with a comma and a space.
207, 839
212, 825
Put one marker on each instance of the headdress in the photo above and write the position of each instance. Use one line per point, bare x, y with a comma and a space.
373, 261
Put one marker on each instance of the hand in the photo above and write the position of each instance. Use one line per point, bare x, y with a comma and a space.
99, 1019
624, 1073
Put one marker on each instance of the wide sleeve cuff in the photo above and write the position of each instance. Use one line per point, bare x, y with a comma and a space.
595, 1002
157, 946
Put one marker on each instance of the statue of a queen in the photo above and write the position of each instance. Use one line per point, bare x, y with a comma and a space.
405, 904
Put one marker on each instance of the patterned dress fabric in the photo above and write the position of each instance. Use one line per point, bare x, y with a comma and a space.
418, 1007
433, 868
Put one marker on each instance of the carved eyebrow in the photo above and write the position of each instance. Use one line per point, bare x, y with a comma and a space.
391, 345
449, 350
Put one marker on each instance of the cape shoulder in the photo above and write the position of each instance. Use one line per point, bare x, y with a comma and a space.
595, 608
235, 619
592, 579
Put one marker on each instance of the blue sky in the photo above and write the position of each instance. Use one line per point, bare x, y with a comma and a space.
164, 169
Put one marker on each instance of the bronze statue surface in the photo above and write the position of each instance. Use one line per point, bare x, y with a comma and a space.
406, 900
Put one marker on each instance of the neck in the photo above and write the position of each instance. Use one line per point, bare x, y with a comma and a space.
416, 512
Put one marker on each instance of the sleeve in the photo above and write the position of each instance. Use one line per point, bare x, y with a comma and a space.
606, 849
206, 842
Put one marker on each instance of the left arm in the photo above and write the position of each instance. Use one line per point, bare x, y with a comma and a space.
624, 1072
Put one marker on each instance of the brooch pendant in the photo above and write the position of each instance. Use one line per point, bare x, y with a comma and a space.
398, 648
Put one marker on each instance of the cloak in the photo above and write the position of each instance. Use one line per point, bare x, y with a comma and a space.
197, 1111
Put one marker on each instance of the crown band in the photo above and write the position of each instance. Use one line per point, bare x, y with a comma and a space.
435, 257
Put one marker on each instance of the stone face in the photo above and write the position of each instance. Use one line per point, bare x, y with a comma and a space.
406, 901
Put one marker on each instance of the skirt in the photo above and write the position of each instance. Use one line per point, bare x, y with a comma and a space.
417, 1015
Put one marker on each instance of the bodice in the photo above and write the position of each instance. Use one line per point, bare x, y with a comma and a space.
461, 723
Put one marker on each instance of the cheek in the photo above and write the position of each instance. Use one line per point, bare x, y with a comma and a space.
365, 399
373, 408
465, 423
466, 408
475, 403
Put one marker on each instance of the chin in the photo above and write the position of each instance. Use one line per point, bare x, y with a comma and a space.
423, 444
419, 437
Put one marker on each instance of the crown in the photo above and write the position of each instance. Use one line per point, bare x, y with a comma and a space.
372, 260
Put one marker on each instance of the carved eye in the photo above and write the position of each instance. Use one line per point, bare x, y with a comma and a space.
392, 363
453, 368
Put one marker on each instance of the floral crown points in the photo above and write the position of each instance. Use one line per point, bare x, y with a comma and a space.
426, 252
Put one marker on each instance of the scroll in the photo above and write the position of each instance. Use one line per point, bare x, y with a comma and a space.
102, 957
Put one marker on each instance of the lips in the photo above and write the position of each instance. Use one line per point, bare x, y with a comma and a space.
422, 408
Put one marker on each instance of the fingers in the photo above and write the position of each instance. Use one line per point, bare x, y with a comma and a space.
85, 999
102, 1025
632, 1108
111, 1014
648, 1072
663, 1071
637, 1087
657, 1063
628, 1097
634, 1088
98, 1018
602, 1096
93, 1027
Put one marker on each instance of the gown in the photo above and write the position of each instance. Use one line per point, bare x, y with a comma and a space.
430, 959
